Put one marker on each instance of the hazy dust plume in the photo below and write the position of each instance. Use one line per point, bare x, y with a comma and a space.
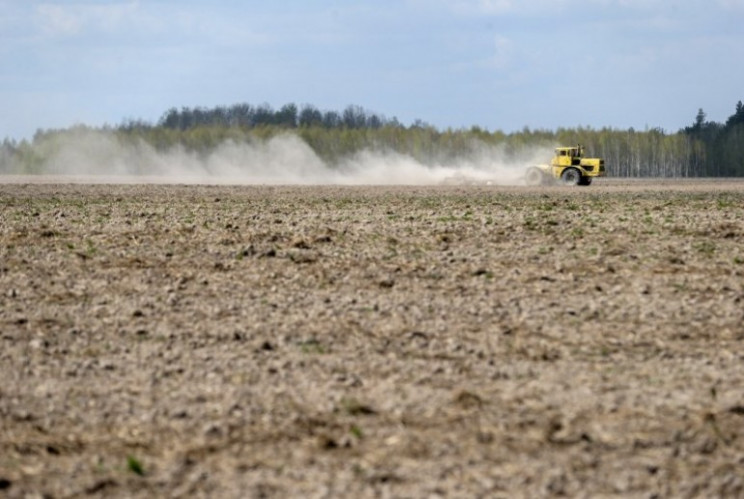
283, 160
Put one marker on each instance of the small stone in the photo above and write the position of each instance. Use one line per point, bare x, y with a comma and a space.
387, 283
213, 432
246, 252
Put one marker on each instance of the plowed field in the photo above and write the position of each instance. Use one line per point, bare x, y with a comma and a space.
473, 341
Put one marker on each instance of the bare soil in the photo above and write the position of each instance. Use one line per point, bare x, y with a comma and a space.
235, 341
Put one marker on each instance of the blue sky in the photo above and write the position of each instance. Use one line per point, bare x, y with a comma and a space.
498, 64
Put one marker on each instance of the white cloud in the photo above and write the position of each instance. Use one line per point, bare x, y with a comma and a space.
58, 20
73, 19
504, 50
494, 6
133, 23
732, 4
540, 8
505, 7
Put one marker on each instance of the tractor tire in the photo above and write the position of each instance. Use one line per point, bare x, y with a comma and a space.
534, 176
571, 176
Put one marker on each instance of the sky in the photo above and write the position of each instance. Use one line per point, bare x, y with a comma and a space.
497, 64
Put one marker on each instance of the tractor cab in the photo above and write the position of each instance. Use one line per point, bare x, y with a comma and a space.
568, 156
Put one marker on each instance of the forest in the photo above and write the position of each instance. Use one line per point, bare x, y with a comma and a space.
703, 149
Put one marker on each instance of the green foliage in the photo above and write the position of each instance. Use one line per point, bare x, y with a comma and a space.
356, 431
135, 466
719, 150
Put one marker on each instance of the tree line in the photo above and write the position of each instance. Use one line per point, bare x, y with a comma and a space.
720, 151
288, 116
703, 149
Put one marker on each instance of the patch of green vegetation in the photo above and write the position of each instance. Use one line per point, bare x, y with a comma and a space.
447, 218
465, 217
546, 207
356, 431
705, 247
312, 346
344, 202
725, 202
135, 466
90, 247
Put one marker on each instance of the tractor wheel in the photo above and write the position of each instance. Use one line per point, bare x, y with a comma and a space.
534, 176
571, 176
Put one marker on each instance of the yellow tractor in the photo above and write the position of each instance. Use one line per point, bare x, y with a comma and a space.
568, 166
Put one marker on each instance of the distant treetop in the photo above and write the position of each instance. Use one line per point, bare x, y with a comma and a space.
290, 116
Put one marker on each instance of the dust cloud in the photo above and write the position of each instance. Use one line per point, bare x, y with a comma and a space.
100, 157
